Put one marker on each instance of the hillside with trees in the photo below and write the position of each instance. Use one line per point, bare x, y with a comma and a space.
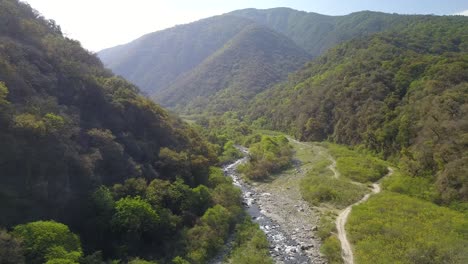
218, 64
253, 60
154, 61
317, 33
401, 94
117, 175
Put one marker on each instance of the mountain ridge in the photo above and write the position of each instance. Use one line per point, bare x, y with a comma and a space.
162, 61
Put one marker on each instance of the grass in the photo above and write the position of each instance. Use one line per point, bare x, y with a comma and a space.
395, 228
357, 165
321, 186
418, 187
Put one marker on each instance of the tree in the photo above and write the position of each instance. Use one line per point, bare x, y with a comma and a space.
47, 239
11, 250
3, 94
134, 215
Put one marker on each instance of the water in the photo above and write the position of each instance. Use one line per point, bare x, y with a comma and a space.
283, 249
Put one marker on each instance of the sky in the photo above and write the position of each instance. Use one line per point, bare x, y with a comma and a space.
100, 24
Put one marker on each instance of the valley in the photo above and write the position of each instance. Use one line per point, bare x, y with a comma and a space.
255, 136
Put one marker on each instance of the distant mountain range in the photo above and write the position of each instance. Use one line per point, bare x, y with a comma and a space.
220, 63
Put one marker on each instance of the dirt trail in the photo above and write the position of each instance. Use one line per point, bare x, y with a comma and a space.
346, 250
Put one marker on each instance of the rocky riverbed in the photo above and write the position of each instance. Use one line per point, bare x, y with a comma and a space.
285, 218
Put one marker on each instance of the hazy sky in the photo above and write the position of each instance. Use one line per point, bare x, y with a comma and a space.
100, 24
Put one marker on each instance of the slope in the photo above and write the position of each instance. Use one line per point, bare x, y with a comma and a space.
67, 124
253, 60
316, 33
402, 94
155, 60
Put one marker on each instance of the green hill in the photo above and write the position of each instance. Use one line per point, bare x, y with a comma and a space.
154, 61
402, 94
317, 33
252, 61
81, 146
224, 61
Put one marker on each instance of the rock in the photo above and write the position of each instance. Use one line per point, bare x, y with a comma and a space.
315, 228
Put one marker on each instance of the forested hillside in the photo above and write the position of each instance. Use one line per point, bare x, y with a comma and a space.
317, 33
81, 146
253, 60
402, 94
217, 64
156, 60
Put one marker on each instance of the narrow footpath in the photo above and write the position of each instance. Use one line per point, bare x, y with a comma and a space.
346, 250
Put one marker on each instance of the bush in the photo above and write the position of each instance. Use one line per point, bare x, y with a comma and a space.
207, 237
331, 248
251, 245
272, 154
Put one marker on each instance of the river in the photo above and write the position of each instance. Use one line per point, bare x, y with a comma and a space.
283, 248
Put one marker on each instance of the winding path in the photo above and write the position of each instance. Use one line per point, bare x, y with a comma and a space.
346, 251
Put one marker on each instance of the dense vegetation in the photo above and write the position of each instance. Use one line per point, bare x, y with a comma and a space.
401, 94
251, 245
83, 147
253, 60
395, 228
317, 33
156, 60
270, 155
356, 164
218, 64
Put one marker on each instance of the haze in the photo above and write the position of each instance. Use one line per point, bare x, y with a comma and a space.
106, 23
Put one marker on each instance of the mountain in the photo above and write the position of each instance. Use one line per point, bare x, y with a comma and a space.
155, 60
201, 66
253, 60
400, 93
82, 146
317, 33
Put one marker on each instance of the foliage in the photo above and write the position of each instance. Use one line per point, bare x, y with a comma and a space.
321, 186
3, 94
331, 248
326, 226
414, 186
140, 261
48, 240
268, 156
11, 250
134, 215
392, 228
230, 153
207, 237
356, 165
224, 61
316, 33
400, 93
79, 145
250, 244
250, 62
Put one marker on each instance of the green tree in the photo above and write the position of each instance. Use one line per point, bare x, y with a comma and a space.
44, 239
134, 215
